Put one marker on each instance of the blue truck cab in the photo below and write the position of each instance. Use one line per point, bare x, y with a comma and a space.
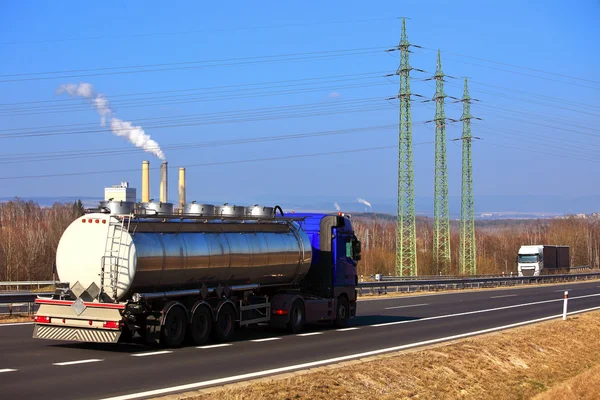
332, 277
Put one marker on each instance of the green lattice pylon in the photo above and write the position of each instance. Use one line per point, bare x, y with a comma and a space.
441, 216
406, 232
468, 261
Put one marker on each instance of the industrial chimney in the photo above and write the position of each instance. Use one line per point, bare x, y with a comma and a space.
145, 181
164, 189
181, 188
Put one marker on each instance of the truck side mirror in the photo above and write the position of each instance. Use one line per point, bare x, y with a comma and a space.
357, 249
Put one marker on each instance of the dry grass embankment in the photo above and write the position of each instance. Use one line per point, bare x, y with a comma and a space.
9, 319
583, 386
546, 359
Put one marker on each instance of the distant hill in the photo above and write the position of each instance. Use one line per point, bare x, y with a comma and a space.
486, 207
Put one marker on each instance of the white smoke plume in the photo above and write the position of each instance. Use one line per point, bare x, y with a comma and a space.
337, 206
135, 134
363, 201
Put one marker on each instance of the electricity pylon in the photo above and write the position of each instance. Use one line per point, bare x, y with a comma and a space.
406, 231
441, 216
468, 261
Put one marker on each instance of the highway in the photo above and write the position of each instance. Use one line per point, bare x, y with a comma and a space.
41, 369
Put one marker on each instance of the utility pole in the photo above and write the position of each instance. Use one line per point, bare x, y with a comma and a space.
468, 261
441, 216
406, 231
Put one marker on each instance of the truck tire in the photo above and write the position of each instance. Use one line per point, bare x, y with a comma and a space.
342, 312
224, 327
200, 326
173, 329
297, 317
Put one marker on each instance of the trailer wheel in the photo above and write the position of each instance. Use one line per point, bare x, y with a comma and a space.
199, 329
297, 317
172, 333
342, 312
224, 327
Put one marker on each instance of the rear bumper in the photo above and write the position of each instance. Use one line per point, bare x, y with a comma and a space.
65, 322
42, 331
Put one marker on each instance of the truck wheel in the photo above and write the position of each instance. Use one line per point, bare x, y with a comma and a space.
297, 317
342, 313
224, 327
173, 329
199, 329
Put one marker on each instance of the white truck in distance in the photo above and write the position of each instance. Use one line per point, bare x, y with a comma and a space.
536, 260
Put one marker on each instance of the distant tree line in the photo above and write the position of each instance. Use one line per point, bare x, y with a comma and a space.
29, 236
497, 243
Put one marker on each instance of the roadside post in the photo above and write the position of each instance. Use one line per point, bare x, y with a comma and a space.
566, 297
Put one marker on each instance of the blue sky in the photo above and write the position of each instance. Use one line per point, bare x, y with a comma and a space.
539, 135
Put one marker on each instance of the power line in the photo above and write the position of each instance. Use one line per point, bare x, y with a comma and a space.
515, 66
529, 150
291, 82
182, 99
535, 102
83, 153
196, 31
32, 76
296, 111
289, 157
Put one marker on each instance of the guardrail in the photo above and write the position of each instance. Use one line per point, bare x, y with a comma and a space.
466, 283
17, 284
428, 277
19, 302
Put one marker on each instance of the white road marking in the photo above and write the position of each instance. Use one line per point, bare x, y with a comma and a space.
154, 353
506, 295
347, 329
214, 346
257, 374
411, 305
310, 334
91, 360
564, 290
412, 296
7, 370
478, 311
265, 339
16, 323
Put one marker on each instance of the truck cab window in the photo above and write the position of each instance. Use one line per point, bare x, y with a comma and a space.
349, 249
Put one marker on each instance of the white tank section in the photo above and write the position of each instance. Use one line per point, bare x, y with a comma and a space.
162, 255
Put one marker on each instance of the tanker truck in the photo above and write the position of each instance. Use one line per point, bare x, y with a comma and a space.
132, 271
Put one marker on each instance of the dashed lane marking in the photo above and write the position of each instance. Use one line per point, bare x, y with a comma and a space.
265, 339
90, 360
310, 334
347, 329
214, 346
407, 306
154, 353
506, 295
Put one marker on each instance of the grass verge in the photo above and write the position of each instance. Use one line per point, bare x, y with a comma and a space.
551, 357
9, 319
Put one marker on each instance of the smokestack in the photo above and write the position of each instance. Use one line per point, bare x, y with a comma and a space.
181, 188
164, 188
145, 181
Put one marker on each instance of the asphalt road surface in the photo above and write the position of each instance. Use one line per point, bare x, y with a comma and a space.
45, 369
